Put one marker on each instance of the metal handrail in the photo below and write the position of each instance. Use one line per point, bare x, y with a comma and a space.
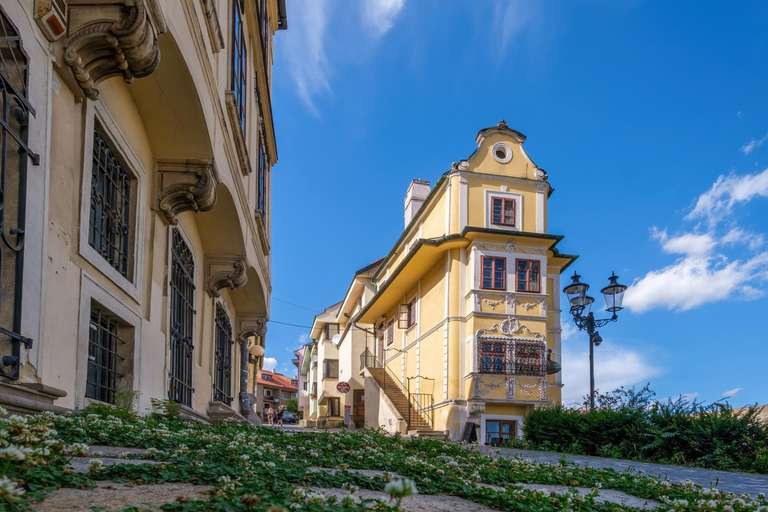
421, 402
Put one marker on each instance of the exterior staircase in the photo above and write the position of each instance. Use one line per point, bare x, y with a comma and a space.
418, 423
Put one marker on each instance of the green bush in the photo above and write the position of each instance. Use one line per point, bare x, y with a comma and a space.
631, 424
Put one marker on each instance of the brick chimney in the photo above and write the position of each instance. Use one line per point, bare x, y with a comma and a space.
414, 198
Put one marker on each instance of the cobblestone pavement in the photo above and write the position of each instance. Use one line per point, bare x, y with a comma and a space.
724, 480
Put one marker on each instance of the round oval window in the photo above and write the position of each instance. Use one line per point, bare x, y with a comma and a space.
502, 153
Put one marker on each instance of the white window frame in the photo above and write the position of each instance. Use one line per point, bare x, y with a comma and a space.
91, 290
500, 417
518, 198
97, 112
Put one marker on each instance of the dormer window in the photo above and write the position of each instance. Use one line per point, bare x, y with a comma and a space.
503, 211
266, 377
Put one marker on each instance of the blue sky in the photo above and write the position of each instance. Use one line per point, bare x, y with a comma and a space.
651, 119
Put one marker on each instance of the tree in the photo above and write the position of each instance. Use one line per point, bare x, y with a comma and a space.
292, 404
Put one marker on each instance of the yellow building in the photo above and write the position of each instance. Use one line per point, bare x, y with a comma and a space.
136, 208
466, 304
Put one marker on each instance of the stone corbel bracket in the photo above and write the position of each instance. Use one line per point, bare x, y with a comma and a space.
224, 272
251, 326
107, 38
184, 185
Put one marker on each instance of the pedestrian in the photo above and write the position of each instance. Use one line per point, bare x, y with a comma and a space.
280, 412
271, 416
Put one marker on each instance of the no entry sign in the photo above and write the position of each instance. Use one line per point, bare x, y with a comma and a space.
343, 387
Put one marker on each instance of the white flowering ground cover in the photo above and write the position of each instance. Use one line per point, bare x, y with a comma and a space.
253, 468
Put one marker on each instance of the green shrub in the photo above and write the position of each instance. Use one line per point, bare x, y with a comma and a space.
631, 424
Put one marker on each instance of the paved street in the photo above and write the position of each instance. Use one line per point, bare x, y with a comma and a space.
724, 480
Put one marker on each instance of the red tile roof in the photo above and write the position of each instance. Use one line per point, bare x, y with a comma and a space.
277, 380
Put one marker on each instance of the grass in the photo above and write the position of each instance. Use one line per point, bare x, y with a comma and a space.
253, 468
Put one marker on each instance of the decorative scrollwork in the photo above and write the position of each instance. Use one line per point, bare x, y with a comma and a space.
224, 272
110, 39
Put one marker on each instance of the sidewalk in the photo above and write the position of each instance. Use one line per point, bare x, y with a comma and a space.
724, 480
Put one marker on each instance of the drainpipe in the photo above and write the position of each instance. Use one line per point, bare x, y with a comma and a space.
245, 399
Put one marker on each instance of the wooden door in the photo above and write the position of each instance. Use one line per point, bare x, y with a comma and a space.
358, 410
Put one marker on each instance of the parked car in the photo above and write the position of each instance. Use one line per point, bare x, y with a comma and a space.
289, 417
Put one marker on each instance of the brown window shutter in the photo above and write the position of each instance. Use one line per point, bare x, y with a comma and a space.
402, 316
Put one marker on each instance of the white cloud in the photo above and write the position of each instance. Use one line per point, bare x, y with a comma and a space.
381, 14
731, 392
688, 243
304, 46
518, 16
753, 144
270, 363
689, 397
704, 274
727, 191
695, 280
615, 366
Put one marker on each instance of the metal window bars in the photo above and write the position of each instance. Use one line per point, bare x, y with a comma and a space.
509, 356
14, 156
109, 224
182, 291
103, 356
222, 379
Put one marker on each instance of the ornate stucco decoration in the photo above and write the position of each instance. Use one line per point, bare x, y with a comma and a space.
540, 174
484, 385
185, 185
109, 38
510, 246
510, 388
251, 326
510, 327
224, 272
506, 298
475, 409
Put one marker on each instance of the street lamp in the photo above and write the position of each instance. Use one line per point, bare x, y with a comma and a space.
580, 303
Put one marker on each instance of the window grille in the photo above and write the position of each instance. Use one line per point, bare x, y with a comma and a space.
182, 320
508, 356
239, 61
14, 156
103, 340
109, 224
222, 382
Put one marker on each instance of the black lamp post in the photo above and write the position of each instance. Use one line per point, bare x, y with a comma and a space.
581, 303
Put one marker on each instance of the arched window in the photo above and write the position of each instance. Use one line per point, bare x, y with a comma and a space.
222, 379
182, 320
14, 155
